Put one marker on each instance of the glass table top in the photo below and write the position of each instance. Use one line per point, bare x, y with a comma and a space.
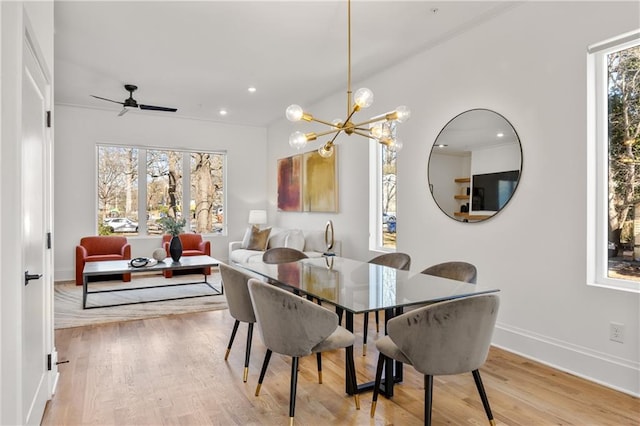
360, 286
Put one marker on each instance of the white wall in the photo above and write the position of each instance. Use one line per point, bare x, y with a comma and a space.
528, 64
78, 130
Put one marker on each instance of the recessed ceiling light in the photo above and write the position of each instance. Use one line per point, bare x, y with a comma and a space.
442, 145
500, 135
222, 111
252, 89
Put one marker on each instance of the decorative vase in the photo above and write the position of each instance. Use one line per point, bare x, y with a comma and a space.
175, 249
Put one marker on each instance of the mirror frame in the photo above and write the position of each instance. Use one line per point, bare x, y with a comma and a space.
459, 216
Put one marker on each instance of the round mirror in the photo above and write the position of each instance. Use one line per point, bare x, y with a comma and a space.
475, 165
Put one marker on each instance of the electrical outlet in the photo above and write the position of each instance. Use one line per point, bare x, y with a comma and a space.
616, 332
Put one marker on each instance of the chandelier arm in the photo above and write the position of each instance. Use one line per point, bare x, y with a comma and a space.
349, 112
328, 132
323, 122
373, 120
366, 135
333, 139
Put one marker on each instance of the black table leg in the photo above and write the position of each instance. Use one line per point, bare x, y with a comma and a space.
351, 385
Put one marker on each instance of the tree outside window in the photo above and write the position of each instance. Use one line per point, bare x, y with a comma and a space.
164, 190
623, 123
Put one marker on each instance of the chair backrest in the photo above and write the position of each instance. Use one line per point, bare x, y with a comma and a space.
393, 260
459, 271
237, 293
103, 244
189, 241
449, 337
289, 324
282, 255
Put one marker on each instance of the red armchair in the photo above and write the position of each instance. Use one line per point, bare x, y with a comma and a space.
94, 249
192, 245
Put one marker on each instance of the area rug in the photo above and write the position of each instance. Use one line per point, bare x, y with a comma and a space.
68, 310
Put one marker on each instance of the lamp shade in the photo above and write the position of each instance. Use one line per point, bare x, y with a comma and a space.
257, 217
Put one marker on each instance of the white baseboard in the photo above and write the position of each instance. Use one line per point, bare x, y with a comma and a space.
616, 373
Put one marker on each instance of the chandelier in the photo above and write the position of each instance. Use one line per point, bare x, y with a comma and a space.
380, 128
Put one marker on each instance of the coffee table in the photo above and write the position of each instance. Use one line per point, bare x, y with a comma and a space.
110, 267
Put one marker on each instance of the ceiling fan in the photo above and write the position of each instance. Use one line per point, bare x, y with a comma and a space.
132, 103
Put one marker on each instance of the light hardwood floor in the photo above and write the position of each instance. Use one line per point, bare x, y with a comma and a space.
171, 370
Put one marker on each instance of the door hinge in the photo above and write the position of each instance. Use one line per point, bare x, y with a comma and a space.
49, 240
48, 118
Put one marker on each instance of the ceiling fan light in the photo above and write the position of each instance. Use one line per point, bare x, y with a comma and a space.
294, 112
363, 97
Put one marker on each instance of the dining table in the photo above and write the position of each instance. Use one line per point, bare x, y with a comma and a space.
356, 287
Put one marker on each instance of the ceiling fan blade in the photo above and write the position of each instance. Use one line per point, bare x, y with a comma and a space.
110, 100
157, 108
123, 112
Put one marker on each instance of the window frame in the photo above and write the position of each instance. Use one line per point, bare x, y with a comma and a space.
142, 183
598, 162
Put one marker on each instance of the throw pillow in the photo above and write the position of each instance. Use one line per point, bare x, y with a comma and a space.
247, 237
314, 241
277, 238
259, 238
295, 240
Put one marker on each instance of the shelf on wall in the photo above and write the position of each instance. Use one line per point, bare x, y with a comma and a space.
472, 216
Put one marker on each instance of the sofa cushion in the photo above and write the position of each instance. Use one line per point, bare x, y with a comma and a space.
246, 256
294, 240
259, 238
277, 237
314, 241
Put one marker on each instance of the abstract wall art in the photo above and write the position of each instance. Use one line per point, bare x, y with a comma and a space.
308, 182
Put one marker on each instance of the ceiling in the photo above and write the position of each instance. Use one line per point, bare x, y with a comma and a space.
203, 56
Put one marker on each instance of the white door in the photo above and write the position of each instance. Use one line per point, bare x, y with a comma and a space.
35, 322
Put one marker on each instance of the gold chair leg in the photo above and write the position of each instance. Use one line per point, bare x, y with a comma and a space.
290, 421
364, 349
226, 355
373, 408
258, 389
357, 399
492, 422
246, 374
320, 377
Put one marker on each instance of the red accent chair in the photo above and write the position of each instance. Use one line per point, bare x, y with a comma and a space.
192, 245
95, 249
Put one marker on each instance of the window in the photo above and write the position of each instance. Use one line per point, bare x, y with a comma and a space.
614, 163
121, 195
383, 196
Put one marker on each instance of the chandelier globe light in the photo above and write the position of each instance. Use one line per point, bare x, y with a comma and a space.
381, 128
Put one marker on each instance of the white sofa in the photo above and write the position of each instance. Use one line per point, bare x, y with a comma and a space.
310, 242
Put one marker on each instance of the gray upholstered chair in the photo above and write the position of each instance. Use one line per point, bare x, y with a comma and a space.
450, 337
282, 255
393, 260
459, 271
293, 326
240, 308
